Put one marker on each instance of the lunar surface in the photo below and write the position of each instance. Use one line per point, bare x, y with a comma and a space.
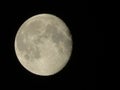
43, 44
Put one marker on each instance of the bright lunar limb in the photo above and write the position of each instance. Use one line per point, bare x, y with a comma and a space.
43, 44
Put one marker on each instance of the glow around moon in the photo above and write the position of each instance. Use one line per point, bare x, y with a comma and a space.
43, 44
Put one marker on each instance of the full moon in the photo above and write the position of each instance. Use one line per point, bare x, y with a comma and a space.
43, 44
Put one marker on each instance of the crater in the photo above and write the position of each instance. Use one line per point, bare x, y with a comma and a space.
26, 56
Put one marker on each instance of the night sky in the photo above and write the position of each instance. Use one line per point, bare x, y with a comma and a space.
88, 44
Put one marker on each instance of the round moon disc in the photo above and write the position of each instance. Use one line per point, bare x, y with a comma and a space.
43, 44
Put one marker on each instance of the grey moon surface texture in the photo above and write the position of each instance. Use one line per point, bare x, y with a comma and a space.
43, 44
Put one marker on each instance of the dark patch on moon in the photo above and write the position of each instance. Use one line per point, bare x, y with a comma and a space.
58, 36
38, 39
32, 53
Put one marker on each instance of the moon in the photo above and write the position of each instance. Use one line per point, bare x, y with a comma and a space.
43, 44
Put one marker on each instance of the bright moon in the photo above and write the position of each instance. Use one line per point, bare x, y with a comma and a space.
43, 44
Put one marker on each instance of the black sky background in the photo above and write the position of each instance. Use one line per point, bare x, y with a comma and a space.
88, 44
